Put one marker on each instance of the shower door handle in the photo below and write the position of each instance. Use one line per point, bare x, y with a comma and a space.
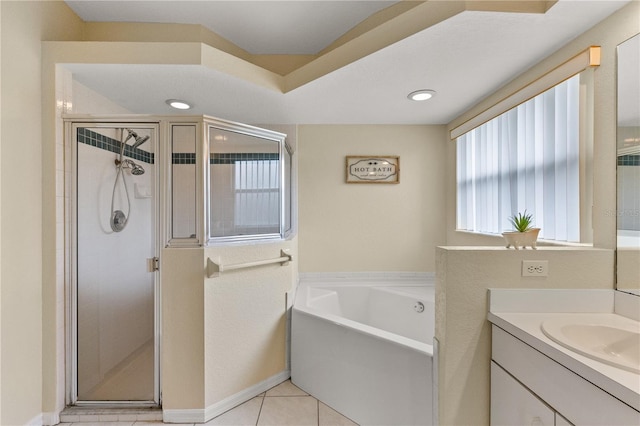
153, 264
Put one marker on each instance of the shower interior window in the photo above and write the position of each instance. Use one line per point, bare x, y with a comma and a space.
247, 194
184, 188
227, 182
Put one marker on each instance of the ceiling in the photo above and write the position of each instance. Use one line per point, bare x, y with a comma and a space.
259, 27
463, 58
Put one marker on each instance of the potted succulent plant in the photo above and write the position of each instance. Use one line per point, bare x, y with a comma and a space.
524, 235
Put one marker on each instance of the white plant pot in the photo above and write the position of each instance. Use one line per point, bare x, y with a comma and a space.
523, 240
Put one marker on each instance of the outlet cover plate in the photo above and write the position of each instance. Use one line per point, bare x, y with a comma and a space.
535, 268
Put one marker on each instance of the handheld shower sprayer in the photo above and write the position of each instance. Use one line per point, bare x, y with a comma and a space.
134, 168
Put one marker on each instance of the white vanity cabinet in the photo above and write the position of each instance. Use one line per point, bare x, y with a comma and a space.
530, 388
513, 404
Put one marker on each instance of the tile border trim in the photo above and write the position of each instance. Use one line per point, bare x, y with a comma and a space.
629, 160
89, 137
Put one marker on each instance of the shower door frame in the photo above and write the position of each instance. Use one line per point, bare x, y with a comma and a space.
71, 124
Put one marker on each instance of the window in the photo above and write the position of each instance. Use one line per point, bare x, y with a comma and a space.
527, 158
183, 181
247, 196
257, 193
227, 182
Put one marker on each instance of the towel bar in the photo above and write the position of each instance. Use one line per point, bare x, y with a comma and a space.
215, 269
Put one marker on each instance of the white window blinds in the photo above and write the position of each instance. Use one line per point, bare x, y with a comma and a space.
257, 195
525, 159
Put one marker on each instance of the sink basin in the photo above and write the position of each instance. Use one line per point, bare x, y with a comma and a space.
608, 338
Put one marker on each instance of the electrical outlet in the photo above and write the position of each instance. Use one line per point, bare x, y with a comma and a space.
535, 268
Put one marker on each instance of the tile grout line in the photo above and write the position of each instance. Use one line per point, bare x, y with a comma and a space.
261, 405
290, 396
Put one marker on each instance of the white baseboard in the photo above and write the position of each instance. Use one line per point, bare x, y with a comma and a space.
36, 421
46, 419
197, 415
193, 415
50, 419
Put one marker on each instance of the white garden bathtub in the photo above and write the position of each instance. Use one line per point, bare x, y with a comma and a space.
363, 345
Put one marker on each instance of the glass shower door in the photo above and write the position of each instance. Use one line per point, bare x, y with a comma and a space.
115, 281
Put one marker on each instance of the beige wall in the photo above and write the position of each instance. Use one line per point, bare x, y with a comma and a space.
370, 227
226, 334
28, 211
183, 371
1, 217
245, 319
465, 273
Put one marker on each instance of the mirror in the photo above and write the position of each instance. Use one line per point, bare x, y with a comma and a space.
628, 154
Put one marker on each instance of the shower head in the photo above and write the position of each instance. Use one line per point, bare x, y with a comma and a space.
139, 139
134, 168
137, 170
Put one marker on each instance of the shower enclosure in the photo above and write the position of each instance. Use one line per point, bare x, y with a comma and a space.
139, 184
114, 253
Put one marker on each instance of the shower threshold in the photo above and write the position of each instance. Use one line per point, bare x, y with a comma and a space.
104, 413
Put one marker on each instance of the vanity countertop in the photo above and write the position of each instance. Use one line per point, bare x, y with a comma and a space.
525, 324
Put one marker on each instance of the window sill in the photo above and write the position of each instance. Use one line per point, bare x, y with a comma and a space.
540, 242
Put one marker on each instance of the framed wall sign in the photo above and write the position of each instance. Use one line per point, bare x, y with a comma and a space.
373, 169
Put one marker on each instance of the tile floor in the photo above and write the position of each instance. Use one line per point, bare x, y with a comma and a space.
282, 405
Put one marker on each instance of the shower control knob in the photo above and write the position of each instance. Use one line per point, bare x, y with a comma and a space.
418, 307
118, 220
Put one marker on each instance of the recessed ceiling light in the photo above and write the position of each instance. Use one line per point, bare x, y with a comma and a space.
178, 104
421, 95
